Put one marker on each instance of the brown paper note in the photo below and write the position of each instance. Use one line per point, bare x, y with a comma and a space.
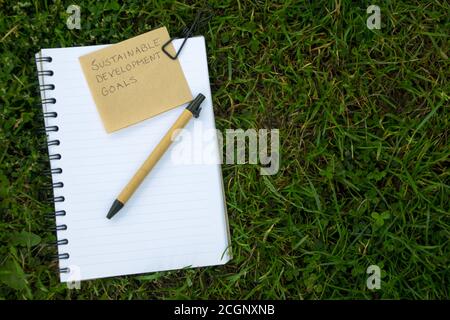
134, 80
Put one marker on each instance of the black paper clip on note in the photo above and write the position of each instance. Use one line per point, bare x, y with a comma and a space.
202, 17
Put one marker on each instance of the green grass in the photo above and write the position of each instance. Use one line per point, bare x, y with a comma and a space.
364, 128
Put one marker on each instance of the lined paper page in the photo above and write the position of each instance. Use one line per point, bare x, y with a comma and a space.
176, 218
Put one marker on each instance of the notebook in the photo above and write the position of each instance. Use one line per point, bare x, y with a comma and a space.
176, 219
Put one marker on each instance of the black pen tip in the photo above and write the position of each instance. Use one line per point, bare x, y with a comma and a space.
116, 206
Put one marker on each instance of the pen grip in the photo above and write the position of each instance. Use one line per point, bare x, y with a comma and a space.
154, 157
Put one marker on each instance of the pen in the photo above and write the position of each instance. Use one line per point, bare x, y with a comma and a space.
192, 110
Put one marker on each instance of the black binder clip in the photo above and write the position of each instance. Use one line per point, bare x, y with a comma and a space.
187, 32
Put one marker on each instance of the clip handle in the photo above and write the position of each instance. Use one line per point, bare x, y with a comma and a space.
186, 33
179, 50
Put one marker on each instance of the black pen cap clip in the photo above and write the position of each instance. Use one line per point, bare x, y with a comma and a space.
194, 105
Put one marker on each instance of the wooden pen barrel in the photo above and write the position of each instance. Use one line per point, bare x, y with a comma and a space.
154, 157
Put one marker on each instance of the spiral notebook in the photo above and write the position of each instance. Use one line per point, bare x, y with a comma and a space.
176, 219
